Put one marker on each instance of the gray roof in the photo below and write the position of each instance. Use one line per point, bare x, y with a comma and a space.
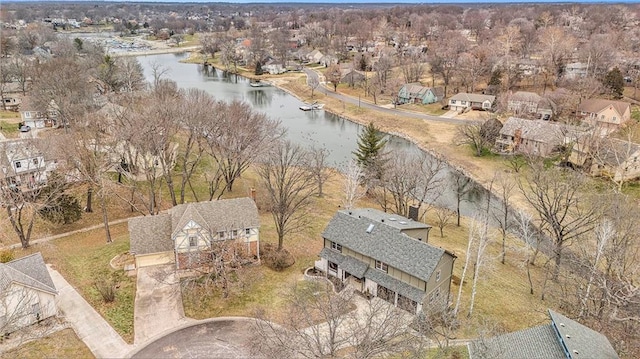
383, 243
391, 220
153, 234
29, 271
581, 341
525, 96
473, 97
538, 130
546, 342
534, 343
615, 152
396, 285
353, 266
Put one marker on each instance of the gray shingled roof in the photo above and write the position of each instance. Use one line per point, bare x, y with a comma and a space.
383, 243
538, 130
396, 285
526, 96
153, 234
581, 341
534, 343
392, 220
614, 151
150, 234
29, 271
353, 266
473, 97
544, 342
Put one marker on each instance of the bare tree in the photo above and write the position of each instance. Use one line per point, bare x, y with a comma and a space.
313, 83
333, 74
480, 135
290, 185
502, 210
318, 166
353, 191
442, 218
238, 136
564, 212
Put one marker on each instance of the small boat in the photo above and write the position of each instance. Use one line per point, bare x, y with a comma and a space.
258, 84
312, 107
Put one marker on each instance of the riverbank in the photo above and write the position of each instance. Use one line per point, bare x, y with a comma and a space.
159, 51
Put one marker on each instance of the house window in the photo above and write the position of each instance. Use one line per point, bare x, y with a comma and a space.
438, 275
336, 247
382, 266
35, 161
333, 266
453, 102
193, 241
221, 234
18, 164
234, 233
247, 231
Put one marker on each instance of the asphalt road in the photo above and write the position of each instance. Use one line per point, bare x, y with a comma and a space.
391, 111
224, 338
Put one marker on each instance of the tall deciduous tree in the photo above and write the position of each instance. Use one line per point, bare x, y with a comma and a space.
289, 186
333, 74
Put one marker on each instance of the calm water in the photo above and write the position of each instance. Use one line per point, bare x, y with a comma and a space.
318, 128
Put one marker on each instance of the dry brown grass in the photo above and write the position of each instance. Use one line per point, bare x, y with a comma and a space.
62, 344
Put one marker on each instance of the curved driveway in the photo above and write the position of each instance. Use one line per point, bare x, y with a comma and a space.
368, 105
228, 338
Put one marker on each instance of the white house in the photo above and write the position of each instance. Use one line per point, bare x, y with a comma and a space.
27, 293
23, 164
464, 101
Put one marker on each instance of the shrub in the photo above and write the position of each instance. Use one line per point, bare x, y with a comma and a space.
6, 255
277, 260
107, 289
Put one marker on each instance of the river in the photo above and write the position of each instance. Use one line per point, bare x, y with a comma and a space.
320, 128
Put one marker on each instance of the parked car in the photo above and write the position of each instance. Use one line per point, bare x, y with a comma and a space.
25, 128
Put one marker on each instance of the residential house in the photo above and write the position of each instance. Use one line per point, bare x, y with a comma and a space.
530, 103
187, 232
387, 256
470, 101
274, 67
606, 115
563, 338
416, 93
27, 293
328, 60
352, 77
11, 103
575, 70
607, 157
534, 137
24, 165
315, 56
38, 119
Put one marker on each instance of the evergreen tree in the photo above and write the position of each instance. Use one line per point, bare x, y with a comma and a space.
615, 83
259, 68
370, 152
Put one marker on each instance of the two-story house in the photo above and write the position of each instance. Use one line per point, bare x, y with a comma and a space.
530, 103
607, 157
23, 164
606, 115
464, 101
188, 231
387, 256
416, 93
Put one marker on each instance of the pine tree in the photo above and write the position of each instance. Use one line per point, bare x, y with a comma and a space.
614, 82
370, 152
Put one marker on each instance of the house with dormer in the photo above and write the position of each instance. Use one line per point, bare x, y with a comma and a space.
387, 256
186, 232
24, 165
27, 293
563, 338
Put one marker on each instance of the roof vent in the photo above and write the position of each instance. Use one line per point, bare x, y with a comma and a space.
392, 219
403, 222
370, 228
575, 352
568, 336
382, 220
562, 325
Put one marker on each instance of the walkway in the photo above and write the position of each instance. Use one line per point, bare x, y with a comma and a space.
158, 304
91, 328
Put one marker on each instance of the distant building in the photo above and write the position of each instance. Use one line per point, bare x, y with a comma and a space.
470, 101
606, 115
416, 93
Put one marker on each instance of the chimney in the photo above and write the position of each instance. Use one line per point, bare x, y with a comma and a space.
253, 194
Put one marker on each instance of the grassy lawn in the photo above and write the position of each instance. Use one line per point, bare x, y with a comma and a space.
62, 344
83, 259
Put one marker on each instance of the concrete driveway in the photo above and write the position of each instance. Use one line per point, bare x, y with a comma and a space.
158, 305
227, 338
